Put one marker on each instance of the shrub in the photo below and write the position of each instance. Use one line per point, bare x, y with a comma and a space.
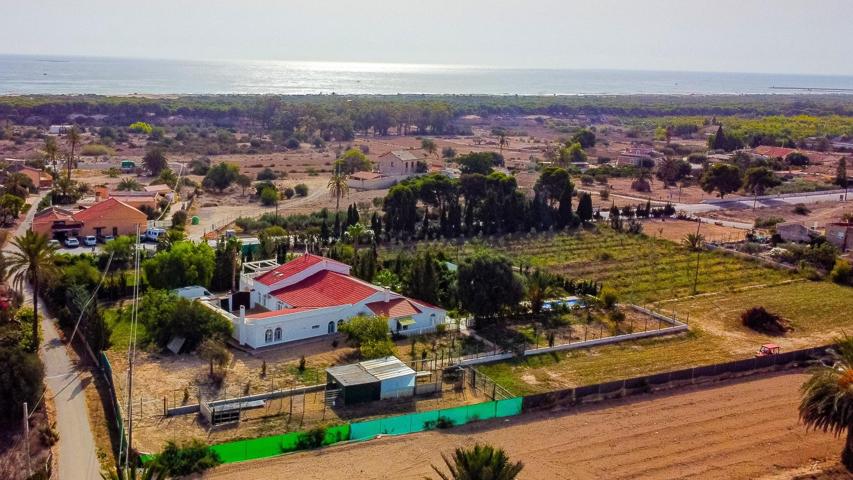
165, 316
767, 222
301, 190
140, 127
587, 179
842, 272
180, 460
95, 150
801, 209
604, 194
292, 143
760, 320
288, 193
311, 439
269, 196
608, 297
179, 219
266, 174
20, 381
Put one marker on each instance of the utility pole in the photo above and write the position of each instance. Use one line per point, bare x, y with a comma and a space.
27, 439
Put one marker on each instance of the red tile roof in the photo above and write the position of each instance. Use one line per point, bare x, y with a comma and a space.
768, 151
325, 289
291, 268
394, 308
53, 213
100, 208
276, 313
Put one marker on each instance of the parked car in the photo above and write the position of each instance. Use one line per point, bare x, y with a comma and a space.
105, 238
153, 234
72, 242
90, 241
54, 243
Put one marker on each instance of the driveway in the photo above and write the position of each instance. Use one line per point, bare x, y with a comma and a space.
77, 457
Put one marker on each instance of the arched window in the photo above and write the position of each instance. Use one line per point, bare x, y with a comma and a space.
278, 334
331, 327
268, 336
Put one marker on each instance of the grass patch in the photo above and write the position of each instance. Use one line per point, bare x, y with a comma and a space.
542, 373
120, 336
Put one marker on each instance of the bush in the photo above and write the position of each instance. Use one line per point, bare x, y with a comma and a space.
301, 190
165, 316
760, 320
20, 381
292, 143
179, 219
608, 297
177, 461
266, 174
140, 127
587, 179
767, 222
311, 439
269, 196
288, 193
842, 272
95, 150
801, 209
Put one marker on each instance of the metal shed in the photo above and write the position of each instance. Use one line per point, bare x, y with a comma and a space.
371, 380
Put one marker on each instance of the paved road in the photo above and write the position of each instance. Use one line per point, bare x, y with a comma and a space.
77, 457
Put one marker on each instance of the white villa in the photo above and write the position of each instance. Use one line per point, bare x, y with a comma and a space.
312, 296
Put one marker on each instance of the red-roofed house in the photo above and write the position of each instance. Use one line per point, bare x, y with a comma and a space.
773, 152
109, 217
312, 296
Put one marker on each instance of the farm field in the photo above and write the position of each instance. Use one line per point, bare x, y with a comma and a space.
641, 268
706, 432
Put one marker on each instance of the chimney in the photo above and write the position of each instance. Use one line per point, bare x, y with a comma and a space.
386, 295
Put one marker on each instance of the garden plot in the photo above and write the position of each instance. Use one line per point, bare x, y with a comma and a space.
641, 268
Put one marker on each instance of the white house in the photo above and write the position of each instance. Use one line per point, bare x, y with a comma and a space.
312, 296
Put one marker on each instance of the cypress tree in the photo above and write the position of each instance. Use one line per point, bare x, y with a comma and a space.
585, 207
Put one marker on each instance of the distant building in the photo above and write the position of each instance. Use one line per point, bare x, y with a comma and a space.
768, 151
399, 163
132, 198
795, 232
841, 235
109, 217
58, 129
637, 154
40, 178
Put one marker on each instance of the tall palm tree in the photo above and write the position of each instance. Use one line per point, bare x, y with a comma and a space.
338, 187
31, 260
482, 462
539, 288
73, 137
827, 398
51, 152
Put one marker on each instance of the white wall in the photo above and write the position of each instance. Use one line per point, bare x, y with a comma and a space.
403, 386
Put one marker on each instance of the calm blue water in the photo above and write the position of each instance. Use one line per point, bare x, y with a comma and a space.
115, 76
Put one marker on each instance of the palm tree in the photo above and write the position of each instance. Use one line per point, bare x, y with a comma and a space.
356, 232
482, 462
129, 184
338, 187
73, 141
31, 260
51, 152
539, 288
827, 398
693, 241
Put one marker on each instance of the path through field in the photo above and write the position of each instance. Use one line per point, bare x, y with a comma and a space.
737, 430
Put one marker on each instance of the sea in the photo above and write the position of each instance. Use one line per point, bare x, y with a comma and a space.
28, 74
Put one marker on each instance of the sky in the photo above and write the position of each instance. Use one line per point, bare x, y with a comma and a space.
768, 36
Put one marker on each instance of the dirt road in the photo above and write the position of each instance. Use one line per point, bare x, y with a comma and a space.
737, 430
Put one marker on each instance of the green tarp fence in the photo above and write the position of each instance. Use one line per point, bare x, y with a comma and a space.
264, 447
418, 422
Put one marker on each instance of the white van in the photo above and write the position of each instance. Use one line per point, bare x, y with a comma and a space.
153, 234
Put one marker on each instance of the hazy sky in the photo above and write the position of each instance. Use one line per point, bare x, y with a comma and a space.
778, 36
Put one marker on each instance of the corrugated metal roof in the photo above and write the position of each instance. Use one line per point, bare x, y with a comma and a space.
353, 374
370, 371
387, 367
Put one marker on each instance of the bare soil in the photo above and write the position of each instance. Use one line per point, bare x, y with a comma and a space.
676, 230
736, 430
820, 213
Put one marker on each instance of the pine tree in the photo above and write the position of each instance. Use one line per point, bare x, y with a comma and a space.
564, 211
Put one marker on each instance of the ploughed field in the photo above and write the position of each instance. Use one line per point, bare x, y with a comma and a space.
736, 430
